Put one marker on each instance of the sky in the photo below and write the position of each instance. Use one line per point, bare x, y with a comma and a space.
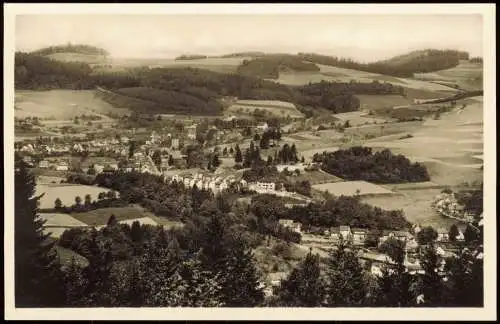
361, 37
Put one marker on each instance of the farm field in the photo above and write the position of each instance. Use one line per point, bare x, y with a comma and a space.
380, 130
65, 192
466, 75
60, 104
357, 118
57, 223
78, 57
277, 108
376, 102
336, 74
315, 177
446, 146
216, 64
127, 214
349, 188
416, 205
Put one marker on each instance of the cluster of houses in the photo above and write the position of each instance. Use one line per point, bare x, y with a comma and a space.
215, 184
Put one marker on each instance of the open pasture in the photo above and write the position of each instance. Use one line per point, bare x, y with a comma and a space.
127, 215
350, 188
61, 104
416, 205
272, 107
447, 146
65, 192
377, 102
337, 74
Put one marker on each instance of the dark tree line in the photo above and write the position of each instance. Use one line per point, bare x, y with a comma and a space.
270, 66
183, 90
402, 66
72, 48
335, 211
360, 163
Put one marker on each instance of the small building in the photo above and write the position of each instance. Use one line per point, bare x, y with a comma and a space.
62, 166
443, 235
289, 223
28, 160
399, 235
98, 168
359, 236
44, 164
460, 237
271, 186
175, 144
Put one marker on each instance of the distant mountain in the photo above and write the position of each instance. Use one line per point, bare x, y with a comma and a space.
244, 54
72, 48
190, 57
75, 53
423, 56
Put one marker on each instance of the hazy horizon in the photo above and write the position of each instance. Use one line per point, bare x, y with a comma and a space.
361, 37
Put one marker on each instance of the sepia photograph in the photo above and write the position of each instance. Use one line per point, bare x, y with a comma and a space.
265, 161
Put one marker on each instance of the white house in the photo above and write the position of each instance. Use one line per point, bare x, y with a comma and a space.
223, 186
443, 235
44, 164
62, 166
291, 168
289, 223
269, 186
175, 143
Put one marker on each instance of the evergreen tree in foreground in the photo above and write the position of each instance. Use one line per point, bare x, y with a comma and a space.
38, 278
345, 283
304, 287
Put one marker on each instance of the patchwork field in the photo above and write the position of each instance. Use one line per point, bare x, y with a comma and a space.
56, 224
416, 204
276, 108
65, 192
61, 104
447, 146
123, 214
336, 74
466, 75
376, 102
349, 188
357, 118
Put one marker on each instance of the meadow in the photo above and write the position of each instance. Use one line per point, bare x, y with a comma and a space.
273, 107
416, 205
65, 192
61, 104
446, 146
350, 188
336, 74
466, 75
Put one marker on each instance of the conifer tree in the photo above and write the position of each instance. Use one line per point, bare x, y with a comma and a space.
304, 287
240, 283
345, 283
238, 157
38, 277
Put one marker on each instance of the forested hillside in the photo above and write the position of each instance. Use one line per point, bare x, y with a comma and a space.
270, 66
72, 48
400, 66
185, 90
